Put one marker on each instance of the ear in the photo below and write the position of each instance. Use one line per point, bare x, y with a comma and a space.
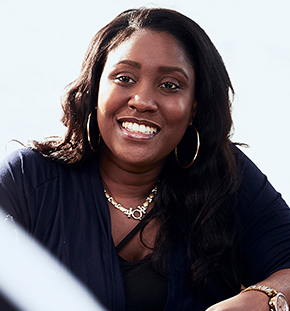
193, 112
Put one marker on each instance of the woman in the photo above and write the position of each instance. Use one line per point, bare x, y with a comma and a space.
147, 157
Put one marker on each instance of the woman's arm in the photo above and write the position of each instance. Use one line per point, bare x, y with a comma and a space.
255, 300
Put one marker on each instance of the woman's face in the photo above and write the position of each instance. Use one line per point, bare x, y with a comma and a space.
146, 98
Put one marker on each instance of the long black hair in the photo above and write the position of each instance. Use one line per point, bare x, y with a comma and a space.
201, 195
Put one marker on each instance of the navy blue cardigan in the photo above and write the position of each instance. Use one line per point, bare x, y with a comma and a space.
65, 208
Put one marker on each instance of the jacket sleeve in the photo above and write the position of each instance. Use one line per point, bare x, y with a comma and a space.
22, 175
265, 225
13, 189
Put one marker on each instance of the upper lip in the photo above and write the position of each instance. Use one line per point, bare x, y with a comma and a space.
138, 121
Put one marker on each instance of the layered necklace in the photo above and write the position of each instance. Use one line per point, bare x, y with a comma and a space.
136, 213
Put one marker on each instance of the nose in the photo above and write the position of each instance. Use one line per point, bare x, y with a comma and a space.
143, 99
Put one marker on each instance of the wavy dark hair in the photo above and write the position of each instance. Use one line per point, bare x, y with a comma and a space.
202, 194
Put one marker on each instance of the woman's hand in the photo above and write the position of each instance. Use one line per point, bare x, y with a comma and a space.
255, 300
249, 301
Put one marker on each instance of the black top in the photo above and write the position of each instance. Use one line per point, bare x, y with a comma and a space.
65, 208
145, 288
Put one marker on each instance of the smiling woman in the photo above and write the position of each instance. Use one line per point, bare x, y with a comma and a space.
146, 199
139, 89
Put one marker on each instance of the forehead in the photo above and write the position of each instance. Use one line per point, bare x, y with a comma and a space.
150, 47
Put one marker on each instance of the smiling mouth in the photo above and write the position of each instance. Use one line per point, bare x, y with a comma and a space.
138, 128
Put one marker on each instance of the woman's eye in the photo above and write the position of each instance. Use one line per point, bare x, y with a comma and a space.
169, 86
125, 79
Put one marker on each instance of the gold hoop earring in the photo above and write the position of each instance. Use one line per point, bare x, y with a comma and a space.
196, 153
90, 141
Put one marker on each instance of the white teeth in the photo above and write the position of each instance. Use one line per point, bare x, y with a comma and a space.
136, 128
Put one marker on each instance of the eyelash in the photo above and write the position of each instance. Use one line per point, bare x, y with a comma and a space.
122, 79
165, 85
176, 87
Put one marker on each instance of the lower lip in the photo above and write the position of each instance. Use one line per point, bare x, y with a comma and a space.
135, 135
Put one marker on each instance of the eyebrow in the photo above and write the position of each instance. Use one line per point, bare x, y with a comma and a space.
160, 69
171, 68
130, 63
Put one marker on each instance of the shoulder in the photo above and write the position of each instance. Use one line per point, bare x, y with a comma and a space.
248, 169
264, 220
27, 159
28, 167
252, 179
256, 193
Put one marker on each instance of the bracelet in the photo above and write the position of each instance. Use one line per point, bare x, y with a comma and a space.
277, 301
270, 292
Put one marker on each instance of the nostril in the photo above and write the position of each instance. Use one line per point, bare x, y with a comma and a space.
142, 103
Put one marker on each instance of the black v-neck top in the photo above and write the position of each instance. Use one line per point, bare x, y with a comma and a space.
145, 288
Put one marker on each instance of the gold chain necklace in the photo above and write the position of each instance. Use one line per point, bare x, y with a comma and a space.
136, 213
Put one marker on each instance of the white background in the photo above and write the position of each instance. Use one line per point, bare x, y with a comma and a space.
42, 44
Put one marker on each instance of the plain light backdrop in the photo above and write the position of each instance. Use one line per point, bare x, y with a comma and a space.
42, 44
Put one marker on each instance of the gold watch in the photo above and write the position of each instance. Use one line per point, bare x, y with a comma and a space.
277, 302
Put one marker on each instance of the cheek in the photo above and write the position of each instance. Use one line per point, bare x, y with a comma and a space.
106, 90
178, 113
105, 109
110, 100
102, 99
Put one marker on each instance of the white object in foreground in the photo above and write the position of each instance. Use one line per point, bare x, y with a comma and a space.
32, 279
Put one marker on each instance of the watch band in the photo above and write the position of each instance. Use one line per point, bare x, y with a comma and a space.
277, 301
270, 292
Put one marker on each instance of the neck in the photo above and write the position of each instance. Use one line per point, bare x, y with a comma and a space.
127, 181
